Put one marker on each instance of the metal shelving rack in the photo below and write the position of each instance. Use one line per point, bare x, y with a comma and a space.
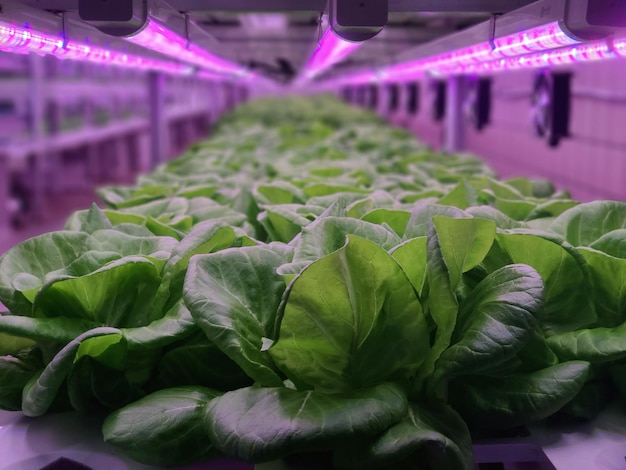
119, 129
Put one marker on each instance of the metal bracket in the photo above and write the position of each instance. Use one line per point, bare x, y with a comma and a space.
64, 30
320, 29
492, 31
187, 33
610, 44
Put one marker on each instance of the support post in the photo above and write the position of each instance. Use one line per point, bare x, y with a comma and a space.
54, 157
5, 194
37, 163
93, 163
122, 159
159, 129
455, 122
144, 155
92, 170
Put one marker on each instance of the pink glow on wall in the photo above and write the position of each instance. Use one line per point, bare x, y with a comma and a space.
23, 41
160, 39
330, 50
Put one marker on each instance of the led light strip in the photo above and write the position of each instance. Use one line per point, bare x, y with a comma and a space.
550, 36
23, 41
331, 49
567, 55
547, 37
487, 56
160, 39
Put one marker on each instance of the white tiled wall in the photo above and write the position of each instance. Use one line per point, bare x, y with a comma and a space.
591, 164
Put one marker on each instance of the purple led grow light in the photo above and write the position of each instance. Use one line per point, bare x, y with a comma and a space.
550, 36
23, 41
567, 55
330, 50
160, 39
543, 38
499, 54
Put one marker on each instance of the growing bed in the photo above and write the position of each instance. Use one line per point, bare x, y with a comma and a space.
319, 282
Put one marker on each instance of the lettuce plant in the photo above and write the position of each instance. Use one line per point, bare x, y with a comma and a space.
310, 282
91, 311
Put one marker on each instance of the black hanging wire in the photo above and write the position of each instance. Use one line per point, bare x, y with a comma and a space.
320, 31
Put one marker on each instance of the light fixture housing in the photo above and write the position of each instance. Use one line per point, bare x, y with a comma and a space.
357, 20
156, 37
24, 39
330, 50
114, 17
146, 27
542, 38
543, 33
588, 52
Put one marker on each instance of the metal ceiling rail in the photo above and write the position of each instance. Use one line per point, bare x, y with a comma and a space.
488, 6
304, 33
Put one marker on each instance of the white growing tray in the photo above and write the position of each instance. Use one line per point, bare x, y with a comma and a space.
30, 444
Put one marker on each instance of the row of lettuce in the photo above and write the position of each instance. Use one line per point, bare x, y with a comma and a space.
312, 280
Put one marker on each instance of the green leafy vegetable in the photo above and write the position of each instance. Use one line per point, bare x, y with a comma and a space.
339, 312
164, 428
233, 295
312, 281
262, 424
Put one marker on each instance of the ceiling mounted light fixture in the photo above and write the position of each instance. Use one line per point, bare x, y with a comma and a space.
330, 50
542, 38
348, 24
357, 20
24, 40
588, 52
158, 38
143, 23
541, 34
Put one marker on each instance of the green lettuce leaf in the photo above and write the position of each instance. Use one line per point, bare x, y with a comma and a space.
16, 371
262, 424
509, 401
41, 391
34, 259
164, 428
582, 225
233, 295
351, 320
494, 322
568, 296
431, 434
